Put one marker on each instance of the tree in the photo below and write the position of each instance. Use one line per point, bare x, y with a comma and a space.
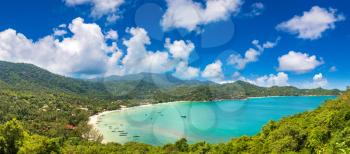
11, 136
182, 145
40, 145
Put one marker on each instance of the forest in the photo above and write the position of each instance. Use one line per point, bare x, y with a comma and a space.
324, 130
46, 113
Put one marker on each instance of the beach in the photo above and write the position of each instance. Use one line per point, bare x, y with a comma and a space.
93, 120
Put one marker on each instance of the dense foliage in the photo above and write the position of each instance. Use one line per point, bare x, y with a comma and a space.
41, 112
143, 87
324, 130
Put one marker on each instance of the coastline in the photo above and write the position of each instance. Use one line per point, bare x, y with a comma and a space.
93, 120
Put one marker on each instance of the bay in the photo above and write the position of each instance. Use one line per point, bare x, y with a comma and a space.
213, 122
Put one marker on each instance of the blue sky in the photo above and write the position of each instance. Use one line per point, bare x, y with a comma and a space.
217, 37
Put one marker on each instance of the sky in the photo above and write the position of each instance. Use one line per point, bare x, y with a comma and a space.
267, 42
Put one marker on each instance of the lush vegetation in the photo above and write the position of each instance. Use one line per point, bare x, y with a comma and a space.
30, 77
41, 112
152, 88
324, 130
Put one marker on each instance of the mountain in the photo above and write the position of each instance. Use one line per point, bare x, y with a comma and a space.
30, 77
161, 80
142, 86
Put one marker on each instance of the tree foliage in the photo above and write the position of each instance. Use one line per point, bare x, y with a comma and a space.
324, 130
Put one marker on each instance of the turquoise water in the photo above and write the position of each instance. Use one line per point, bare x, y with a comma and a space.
214, 122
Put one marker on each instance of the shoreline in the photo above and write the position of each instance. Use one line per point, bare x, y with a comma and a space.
93, 120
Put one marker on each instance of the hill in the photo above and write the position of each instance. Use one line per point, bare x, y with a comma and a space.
152, 88
324, 130
161, 80
57, 109
22, 76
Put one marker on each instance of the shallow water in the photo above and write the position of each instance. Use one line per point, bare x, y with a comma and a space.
214, 122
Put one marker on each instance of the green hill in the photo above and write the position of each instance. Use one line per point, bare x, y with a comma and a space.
144, 86
324, 130
29, 77
54, 111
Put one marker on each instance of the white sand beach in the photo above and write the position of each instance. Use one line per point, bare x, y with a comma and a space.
93, 120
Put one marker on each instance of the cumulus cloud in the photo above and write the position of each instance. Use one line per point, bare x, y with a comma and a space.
112, 34
318, 81
138, 59
89, 52
59, 32
251, 55
298, 62
100, 8
213, 72
85, 52
189, 15
281, 79
180, 49
183, 71
312, 24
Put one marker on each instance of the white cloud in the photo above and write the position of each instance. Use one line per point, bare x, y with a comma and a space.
213, 72
298, 62
180, 49
281, 79
62, 26
318, 81
59, 32
189, 15
251, 55
138, 59
76, 2
318, 77
112, 18
100, 7
183, 71
112, 34
257, 9
113, 68
312, 24
85, 52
